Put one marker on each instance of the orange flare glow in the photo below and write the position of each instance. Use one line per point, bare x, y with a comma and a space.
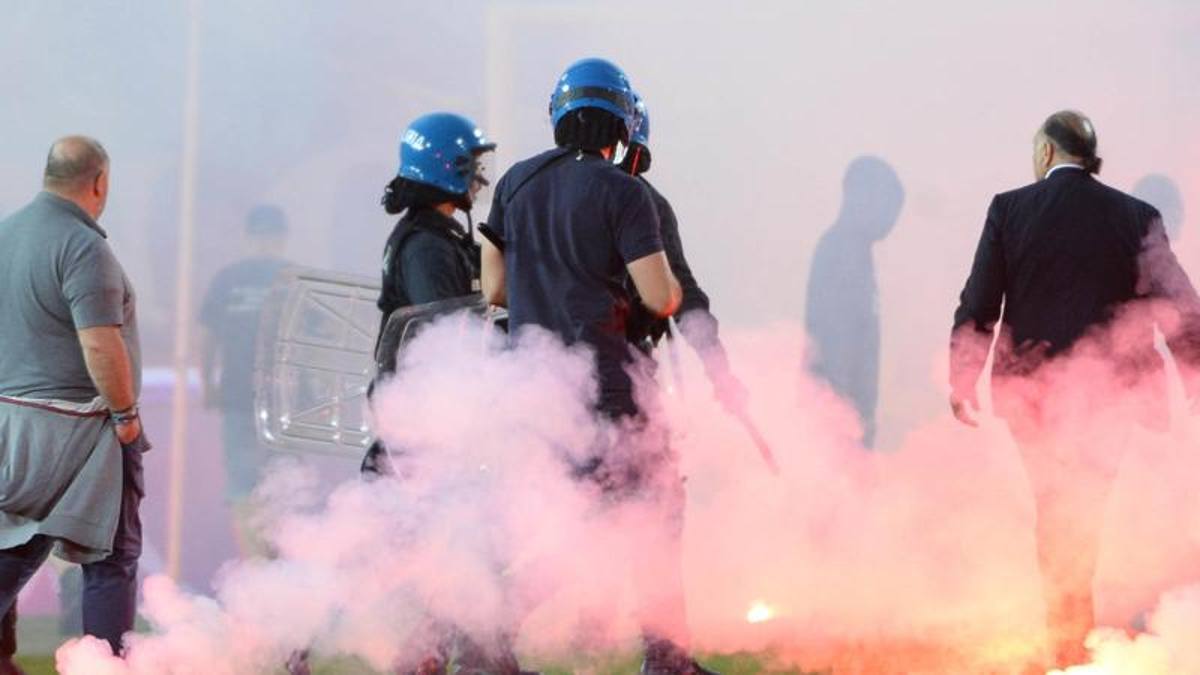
760, 612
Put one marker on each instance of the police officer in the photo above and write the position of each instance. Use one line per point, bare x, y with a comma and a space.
430, 256
567, 227
694, 320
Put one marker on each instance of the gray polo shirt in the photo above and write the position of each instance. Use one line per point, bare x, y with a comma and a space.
57, 275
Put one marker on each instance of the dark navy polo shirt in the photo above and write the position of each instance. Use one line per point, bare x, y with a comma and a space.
568, 225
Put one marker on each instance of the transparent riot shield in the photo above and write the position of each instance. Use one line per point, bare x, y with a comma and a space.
317, 357
404, 324
315, 361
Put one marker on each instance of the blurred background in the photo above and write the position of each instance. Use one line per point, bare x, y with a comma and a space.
760, 111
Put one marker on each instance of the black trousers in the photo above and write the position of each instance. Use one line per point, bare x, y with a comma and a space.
8, 633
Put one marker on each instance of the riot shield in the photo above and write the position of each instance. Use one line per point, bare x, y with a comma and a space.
317, 356
314, 362
404, 324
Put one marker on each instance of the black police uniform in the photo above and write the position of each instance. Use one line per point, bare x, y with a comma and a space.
568, 223
428, 257
644, 329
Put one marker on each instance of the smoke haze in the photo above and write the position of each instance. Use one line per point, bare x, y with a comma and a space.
921, 554
920, 560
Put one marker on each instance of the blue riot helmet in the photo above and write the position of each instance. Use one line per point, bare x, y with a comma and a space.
442, 150
641, 131
636, 159
594, 83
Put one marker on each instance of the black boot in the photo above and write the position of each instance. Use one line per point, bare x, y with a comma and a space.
8, 642
664, 657
434, 665
473, 659
297, 663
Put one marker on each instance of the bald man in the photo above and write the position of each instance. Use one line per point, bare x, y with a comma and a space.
70, 436
1062, 264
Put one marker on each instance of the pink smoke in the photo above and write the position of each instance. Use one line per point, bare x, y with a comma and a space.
919, 560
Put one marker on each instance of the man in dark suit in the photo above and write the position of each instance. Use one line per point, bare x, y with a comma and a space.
1077, 274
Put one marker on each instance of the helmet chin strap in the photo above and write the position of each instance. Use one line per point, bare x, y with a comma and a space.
637, 157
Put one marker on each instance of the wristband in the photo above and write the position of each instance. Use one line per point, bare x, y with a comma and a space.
127, 416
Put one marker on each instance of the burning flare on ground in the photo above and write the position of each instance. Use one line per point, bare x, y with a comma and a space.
760, 612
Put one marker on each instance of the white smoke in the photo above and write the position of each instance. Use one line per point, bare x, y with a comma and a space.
1170, 646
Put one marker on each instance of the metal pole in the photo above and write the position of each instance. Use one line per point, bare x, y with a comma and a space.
183, 294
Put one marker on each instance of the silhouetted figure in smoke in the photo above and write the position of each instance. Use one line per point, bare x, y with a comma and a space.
1059, 260
229, 317
842, 313
1163, 194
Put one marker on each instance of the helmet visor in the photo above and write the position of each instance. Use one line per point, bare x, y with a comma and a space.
479, 171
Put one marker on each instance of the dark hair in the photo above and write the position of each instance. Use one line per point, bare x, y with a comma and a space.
1074, 134
403, 194
591, 129
637, 160
266, 220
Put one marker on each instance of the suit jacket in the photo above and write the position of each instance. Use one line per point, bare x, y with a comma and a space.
1058, 260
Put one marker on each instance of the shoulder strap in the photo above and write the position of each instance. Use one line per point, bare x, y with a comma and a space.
550, 159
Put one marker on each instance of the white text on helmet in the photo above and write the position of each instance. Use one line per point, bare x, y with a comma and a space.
414, 139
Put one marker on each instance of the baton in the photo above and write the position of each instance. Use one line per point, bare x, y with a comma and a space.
743, 417
755, 435
673, 356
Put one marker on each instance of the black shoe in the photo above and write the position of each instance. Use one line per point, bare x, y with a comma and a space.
473, 659
297, 663
667, 658
487, 671
433, 665
688, 667
499, 667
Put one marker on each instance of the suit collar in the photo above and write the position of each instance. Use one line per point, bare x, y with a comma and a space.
1063, 169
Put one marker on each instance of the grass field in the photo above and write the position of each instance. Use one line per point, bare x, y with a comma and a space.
38, 637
